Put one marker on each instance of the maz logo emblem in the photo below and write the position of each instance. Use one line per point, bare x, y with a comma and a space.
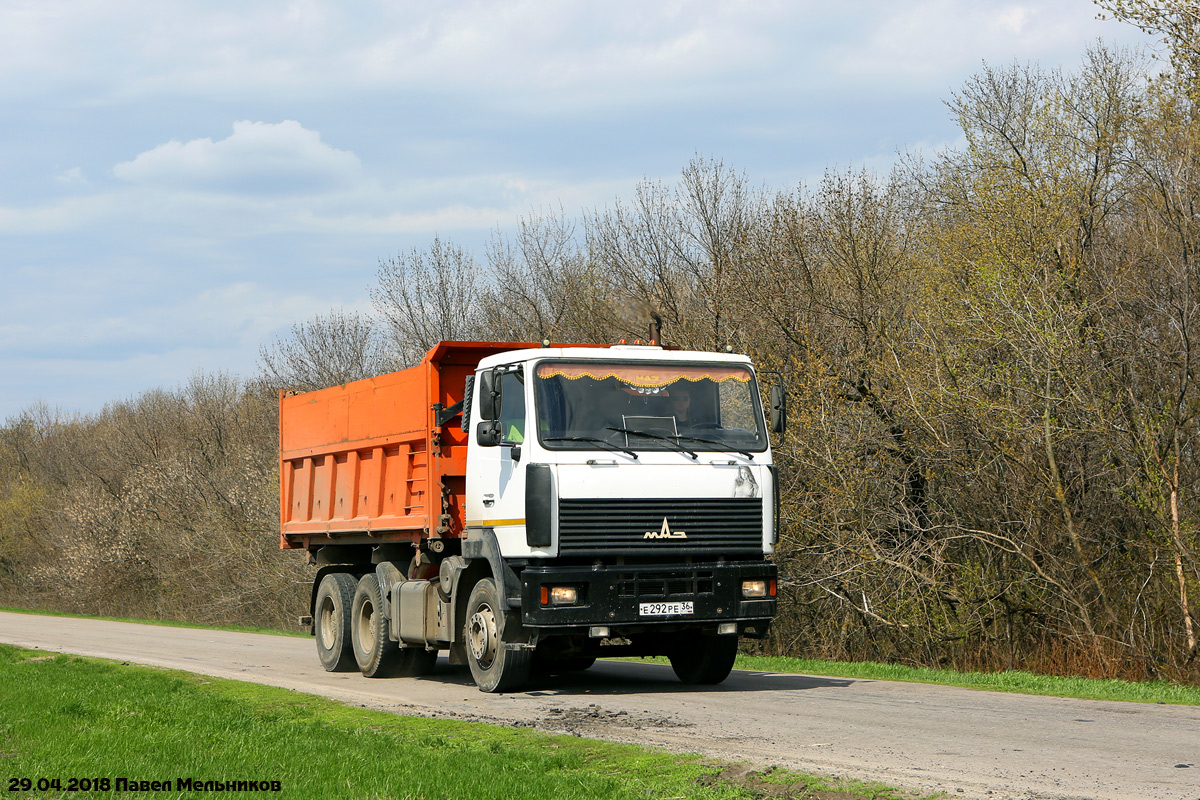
665, 532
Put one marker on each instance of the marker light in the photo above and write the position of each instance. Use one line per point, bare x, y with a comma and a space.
754, 588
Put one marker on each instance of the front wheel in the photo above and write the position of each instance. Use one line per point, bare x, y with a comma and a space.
494, 668
699, 659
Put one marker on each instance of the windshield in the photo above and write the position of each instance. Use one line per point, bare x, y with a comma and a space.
648, 406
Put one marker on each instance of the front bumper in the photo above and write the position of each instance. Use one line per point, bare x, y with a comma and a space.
612, 596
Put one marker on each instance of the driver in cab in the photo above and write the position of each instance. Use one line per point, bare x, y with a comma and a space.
681, 402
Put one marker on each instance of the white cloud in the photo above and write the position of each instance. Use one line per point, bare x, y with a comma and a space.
1013, 20
65, 214
257, 158
625, 48
282, 178
81, 361
940, 41
539, 57
71, 177
225, 316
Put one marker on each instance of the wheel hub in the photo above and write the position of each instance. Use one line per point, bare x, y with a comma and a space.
482, 635
328, 634
366, 627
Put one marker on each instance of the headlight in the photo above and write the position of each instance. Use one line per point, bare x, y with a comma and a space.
563, 595
754, 588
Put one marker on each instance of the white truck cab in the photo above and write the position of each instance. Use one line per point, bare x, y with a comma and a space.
630, 492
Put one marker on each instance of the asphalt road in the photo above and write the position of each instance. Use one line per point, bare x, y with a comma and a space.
968, 743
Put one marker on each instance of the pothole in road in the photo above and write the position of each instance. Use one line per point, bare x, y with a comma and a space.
570, 719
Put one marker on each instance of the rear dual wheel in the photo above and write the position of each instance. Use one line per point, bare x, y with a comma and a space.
377, 654
331, 621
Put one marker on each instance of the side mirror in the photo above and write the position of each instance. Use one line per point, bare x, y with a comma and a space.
489, 395
778, 400
487, 433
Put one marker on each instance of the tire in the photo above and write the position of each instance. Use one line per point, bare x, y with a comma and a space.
494, 668
703, 660
377, 655
331, 621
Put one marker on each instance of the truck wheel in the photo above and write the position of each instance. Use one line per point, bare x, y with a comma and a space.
377, 655
699, 659
494, 668
331, 621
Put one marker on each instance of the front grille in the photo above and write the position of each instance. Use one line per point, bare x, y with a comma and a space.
661, 586
681, 527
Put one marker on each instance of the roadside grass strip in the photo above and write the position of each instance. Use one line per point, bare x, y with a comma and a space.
1010, 681
140, 731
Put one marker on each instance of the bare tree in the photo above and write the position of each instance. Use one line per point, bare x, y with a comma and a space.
428, 296
677, 252
544, 285
1177, 22
325, 351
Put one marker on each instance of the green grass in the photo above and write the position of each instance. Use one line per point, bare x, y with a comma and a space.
1008, 681
64, 717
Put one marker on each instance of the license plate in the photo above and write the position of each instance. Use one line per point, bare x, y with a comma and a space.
664, 609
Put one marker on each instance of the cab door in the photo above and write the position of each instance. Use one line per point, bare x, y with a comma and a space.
499, 475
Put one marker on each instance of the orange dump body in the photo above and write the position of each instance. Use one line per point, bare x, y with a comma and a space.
366, 463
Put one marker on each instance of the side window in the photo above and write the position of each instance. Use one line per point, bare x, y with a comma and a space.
736, 408
512, 407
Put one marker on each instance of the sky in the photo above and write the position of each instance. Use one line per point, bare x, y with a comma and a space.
181, 181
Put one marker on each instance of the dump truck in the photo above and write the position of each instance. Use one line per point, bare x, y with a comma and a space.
529, 508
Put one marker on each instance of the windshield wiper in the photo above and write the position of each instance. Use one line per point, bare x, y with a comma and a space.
671, 440
616, 448
716, 442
